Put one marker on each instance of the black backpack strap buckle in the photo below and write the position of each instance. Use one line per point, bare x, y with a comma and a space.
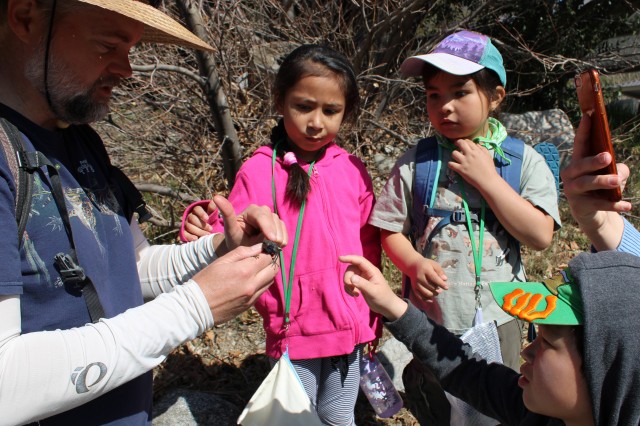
458, 216
70, 271
29, 161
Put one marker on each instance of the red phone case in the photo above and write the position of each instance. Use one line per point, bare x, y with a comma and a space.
589, 90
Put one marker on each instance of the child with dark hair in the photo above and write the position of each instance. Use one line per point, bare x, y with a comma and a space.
582, 368
467, 227
324, 195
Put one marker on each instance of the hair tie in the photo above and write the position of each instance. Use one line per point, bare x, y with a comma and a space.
290, 159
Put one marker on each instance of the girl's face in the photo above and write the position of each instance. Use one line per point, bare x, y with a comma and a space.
457, 108
552, 380
312, 111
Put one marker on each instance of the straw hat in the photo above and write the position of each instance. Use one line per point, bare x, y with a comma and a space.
158, 27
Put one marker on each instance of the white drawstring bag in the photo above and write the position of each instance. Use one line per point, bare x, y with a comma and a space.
280, 400
483, 339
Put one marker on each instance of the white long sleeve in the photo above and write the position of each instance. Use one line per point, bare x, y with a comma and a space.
162, 267
49, 372
45, 373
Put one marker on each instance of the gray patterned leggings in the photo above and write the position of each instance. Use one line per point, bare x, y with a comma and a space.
332, 384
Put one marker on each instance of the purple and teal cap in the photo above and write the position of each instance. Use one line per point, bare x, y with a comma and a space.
461, 53
554, 301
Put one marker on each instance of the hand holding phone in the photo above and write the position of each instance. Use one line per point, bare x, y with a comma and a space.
589, 90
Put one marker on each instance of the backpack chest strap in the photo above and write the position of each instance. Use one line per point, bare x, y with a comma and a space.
457, 216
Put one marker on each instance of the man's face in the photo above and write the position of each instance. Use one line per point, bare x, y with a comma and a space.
552, 379
88, 57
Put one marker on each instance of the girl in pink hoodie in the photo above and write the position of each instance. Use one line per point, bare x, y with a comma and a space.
324, 195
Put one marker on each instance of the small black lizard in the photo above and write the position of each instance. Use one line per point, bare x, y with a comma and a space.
272, 249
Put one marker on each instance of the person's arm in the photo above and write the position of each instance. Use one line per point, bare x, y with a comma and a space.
38, 369
42, 373
630, 242
597, 217
490, 388
524, 221
162, 267
369, 234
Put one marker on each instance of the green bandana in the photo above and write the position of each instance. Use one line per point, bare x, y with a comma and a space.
493, 141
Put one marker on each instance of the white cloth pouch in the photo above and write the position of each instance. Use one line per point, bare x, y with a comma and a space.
280, 400
483, 339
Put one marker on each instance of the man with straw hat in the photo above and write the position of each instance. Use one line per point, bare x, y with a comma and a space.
76, 342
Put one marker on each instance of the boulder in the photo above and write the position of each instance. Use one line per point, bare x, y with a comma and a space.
185, 407
543, 126
394, 357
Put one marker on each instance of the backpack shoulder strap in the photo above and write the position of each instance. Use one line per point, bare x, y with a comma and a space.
427, 169
12, 144
551, 155
510, 171
514, 150
134, 202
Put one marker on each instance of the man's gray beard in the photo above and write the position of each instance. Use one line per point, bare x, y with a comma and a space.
69, 102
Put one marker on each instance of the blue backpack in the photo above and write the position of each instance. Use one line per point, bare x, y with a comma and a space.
427, 169
425, 185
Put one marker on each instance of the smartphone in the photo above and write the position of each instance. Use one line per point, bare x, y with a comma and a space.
589, 90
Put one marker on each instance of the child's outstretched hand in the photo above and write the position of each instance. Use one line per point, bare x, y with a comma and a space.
473, 162
196, 224
427, 278
362, 277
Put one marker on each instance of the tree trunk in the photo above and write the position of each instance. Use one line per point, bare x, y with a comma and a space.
214, 94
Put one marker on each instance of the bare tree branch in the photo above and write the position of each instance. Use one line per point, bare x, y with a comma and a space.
164, 190
171, 68
214, 94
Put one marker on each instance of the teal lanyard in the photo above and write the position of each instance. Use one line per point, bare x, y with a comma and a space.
496, 135
287, 284
476, 251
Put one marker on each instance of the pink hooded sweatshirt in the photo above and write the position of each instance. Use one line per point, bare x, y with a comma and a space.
325, 320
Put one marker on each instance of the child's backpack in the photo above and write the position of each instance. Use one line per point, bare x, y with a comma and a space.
427, 169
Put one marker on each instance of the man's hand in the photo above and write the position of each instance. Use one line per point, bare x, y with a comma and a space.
362, 277
250, 227
234, 281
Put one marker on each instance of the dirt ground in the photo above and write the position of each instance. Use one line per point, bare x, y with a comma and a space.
229, 362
